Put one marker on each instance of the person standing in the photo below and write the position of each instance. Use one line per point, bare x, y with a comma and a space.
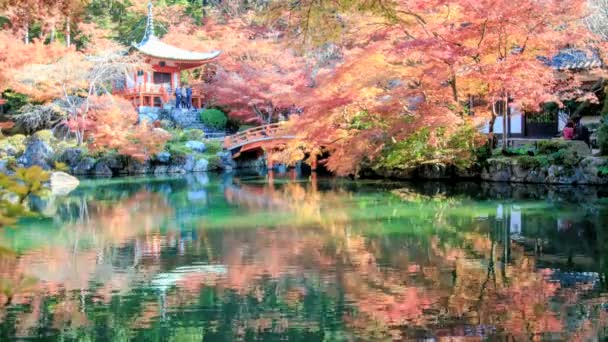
178, 97
568, 131
581, 132
189, 97
184, 93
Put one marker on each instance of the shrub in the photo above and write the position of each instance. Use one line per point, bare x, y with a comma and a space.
530, 162
551, 146
233, 125
59, 166
602, 137
177, 149
16, 142
214, 118
46, 136
14, 101
461, 148
215, 162
193, 134
603, 171
213, 146
565, 157
32, 118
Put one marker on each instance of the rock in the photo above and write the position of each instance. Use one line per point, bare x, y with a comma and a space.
163, 157
580, 147
176, 169
557, 174
149, 114
468, 173
37, 152
396, 173
85, 166
226, 161
201, 165
196, 146
161, 170
135, 167
434, 171
189, 163
102, 169
8, 150
62, 183
497, 170
185, 118
114, 161
590, 167
167, 124
71, 156
518, 170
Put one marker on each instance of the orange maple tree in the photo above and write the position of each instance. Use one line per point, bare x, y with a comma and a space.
415, 64
257, 77
112, 125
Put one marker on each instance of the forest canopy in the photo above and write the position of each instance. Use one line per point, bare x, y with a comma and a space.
357, 80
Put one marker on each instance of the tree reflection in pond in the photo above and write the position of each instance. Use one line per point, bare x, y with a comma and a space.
228, 258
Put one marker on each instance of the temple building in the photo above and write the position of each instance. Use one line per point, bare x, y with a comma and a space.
155, 87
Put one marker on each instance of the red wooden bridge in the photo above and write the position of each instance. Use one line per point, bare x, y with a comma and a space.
255, 138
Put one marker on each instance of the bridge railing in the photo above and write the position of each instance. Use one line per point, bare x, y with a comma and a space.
252, 134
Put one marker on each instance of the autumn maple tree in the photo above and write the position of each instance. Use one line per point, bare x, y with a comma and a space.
415, 64
257, 78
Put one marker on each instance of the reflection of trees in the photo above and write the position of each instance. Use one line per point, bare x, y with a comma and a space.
66, 271
360, 263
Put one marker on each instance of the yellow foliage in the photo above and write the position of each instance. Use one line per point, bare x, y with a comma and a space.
25, 182
59, 166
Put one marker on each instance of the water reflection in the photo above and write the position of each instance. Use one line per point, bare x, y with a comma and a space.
228, 258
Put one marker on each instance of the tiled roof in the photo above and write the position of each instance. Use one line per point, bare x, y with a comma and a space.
573, 59
155, 48
150, 45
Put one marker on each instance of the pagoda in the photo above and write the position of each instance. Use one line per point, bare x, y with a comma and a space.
156, 87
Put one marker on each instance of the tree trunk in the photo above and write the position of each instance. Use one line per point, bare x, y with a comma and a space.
505, 123
493, 118
27, 33
454, 89
68, 32
52, 34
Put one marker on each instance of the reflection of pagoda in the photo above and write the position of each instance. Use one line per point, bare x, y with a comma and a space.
156, 87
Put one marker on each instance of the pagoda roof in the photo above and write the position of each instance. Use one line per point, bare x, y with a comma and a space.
153, 47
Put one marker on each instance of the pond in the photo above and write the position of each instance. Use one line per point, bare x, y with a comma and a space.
209, 257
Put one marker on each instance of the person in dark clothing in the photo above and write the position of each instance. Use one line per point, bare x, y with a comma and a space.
189, 97
178, 97
581, 132
183, 93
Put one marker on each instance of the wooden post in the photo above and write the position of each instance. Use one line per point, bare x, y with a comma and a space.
313, 181
313, 163
141, 97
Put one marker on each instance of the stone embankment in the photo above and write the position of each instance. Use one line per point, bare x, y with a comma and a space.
589, 170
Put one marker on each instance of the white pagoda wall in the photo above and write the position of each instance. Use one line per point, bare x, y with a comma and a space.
130, 82
176, 79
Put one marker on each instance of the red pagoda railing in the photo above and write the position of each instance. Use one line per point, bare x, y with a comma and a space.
154, 95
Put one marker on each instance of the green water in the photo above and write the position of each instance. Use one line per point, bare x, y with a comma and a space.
226, 258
